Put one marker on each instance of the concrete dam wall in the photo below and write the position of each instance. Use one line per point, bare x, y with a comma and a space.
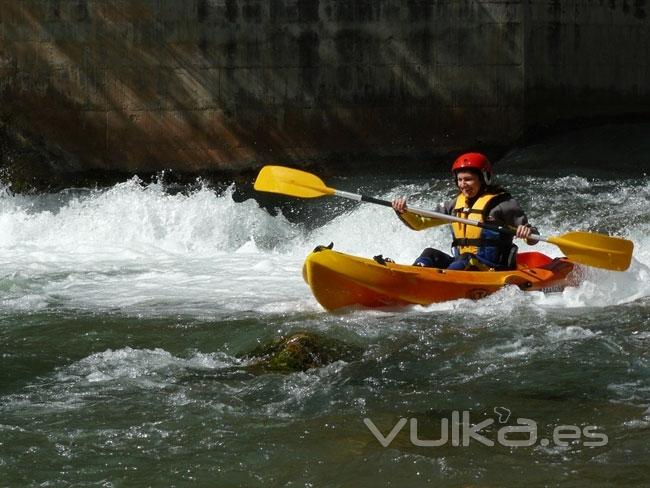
142, 85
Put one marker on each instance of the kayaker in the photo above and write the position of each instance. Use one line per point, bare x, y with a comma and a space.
478, 199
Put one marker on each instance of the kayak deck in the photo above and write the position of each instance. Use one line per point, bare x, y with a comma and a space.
339, 280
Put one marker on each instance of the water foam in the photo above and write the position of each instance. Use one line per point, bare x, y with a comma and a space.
133, 221
137, 247
151, 367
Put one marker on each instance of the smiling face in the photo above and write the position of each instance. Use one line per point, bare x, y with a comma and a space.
469, 183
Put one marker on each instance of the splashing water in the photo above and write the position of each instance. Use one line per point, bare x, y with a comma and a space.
123, 313
135, 245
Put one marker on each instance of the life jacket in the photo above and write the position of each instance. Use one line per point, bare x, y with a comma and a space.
490, 248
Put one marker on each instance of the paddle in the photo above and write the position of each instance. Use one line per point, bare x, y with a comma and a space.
598, 250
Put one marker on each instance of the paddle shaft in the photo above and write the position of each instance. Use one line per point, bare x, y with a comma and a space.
588, 248
437, 215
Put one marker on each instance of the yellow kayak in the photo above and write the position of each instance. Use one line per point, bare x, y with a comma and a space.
340, 280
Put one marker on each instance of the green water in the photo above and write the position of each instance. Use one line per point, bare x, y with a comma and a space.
117, 401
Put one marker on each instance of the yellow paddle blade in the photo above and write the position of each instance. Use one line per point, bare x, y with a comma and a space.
289, 181
598, 250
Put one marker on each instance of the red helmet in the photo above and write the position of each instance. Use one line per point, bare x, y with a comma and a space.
475, 161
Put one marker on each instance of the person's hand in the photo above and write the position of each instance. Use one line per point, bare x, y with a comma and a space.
524, 232
399, 204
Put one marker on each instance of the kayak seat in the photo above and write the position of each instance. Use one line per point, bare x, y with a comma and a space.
533, 259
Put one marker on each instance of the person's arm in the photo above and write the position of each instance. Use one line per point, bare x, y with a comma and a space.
414, 221
511, 214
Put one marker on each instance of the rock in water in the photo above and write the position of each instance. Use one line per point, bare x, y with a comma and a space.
301, 351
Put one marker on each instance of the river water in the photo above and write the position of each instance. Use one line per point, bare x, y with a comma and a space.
124, 312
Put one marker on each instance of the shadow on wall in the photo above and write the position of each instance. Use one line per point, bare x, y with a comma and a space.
590, 152
142, 86
586, 60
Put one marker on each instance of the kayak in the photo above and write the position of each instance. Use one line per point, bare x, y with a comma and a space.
340, 280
